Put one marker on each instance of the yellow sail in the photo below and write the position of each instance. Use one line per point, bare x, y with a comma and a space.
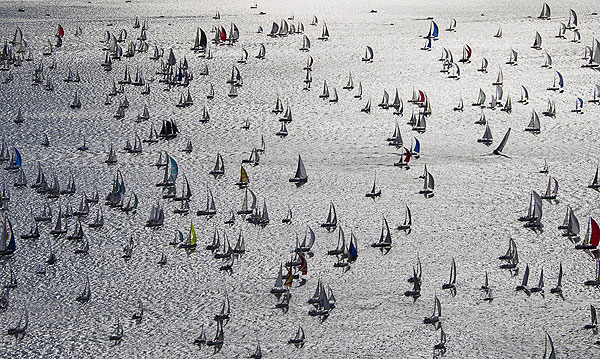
290, 277
244, 176
192, 234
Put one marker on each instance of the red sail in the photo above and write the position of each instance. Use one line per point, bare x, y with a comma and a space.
303, 263
468, 51
407, 158
60, 31
223, 34
421, 96
595, 236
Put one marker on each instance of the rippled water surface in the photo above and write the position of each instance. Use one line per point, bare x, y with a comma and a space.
474, 212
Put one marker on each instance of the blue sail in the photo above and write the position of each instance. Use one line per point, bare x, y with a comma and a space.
119, 187
174, 170
17, 158
434, 33
580, 102
12, 246
352, 252
417, 146
428, 43
135, 201
560, 79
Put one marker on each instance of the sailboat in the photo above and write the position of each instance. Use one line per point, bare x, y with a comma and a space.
484, 65
523, 285
190, 241
480, 99
219, 168
278, 288
452, 26
305, 44
545, 14
428, 186
593, 319
537, 44
540, 286
404, 159
592, 236
367, 108
19, 330
288, 218
325, 33
558, 83
300, 177
551, 110
257, 352
298, 339
375, 192
262, 51
452, 282
578, 106
415, 292
524, 96
437, 312
406, 226
86, 294
512, 59
558, 288
433, 31
499, 32
460, 106
534, 123
211, 208
466, 55
487, 138
551, 189
385, 239
331, 222
368, 55
350, 84
548, 345
596, 181
596, 280
157, 217
500, 148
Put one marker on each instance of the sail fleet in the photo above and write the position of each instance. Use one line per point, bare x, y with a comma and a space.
69, 214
